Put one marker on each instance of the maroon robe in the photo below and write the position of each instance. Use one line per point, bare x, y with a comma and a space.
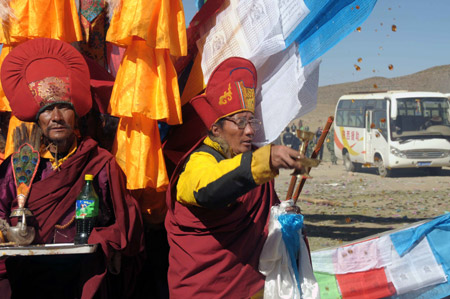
54, 196
214, 253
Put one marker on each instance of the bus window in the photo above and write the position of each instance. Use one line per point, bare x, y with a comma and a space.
350, 113
380, 105
379, 119
416, 115
344, 104
340, 118
359, 120
435, 110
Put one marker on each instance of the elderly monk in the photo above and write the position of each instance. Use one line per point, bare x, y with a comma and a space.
47, 81
221, 193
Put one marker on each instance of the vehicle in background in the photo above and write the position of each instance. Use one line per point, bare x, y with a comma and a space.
393, 129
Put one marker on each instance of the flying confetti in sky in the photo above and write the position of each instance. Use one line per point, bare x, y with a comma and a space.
412, 45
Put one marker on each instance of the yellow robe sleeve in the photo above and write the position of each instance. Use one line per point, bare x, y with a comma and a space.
206, 181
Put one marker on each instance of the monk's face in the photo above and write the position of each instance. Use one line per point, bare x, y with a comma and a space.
58, 122
239, 139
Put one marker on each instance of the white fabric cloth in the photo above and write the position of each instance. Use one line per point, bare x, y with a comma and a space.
288, 92
257, 30
415, 270
359, 257
323, 261
275, 264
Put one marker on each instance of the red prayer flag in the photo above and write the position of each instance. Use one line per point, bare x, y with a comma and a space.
365, 285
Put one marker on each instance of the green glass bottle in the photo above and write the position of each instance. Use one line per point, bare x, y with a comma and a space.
86, 211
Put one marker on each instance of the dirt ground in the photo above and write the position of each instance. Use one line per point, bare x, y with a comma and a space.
362, 204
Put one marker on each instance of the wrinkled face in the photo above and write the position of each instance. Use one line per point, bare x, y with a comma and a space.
57, 122
239, 140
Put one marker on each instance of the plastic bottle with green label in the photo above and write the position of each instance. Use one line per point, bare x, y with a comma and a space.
86, 211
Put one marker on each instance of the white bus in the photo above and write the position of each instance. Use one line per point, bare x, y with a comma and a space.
393, 129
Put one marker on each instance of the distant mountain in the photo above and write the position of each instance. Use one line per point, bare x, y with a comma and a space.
433, 79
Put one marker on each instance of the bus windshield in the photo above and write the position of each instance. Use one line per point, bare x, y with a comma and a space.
421, 117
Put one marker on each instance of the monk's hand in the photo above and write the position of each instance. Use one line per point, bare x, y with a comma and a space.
285, 157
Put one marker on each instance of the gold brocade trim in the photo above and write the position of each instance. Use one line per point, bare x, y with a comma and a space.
50, 90
226, 97
56, 163
247, 96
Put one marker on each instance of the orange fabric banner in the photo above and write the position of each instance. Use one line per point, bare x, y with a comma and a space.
160, 23
56, 19
146, 84
137, 149
4, 104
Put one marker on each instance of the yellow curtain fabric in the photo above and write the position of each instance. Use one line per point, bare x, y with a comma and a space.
138, 151
146, 84
160, 23
146, 87
56, 19
4, 104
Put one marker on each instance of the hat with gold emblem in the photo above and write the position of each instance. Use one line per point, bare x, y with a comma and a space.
230, 89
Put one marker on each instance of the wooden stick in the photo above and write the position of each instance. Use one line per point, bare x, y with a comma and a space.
293, 181
291, 187
313, 156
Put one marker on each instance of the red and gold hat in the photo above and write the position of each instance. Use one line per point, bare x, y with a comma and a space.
43, 72
230, 89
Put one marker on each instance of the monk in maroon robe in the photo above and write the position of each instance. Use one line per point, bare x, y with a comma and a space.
221, 193
47, 81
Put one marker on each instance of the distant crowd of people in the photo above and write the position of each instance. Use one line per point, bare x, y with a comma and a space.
289, 138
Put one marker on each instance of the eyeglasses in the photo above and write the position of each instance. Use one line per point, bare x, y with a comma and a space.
241, 123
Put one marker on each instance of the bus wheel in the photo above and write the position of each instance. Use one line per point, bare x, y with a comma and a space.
382, 170
348, 164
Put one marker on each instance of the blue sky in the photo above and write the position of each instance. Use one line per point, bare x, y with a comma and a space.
422, 40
